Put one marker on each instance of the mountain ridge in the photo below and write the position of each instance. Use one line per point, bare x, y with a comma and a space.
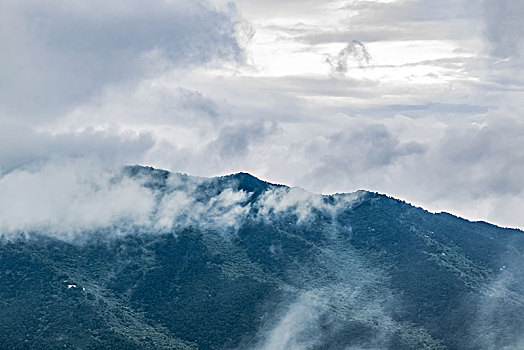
242, 175
235, 262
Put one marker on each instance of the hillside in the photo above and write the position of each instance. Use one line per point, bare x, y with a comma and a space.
238, 263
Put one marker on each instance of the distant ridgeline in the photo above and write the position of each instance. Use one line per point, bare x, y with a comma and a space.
238, 263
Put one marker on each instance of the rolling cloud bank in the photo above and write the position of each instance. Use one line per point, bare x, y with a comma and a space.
70, 199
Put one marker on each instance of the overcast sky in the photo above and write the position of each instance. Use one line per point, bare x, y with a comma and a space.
419, 99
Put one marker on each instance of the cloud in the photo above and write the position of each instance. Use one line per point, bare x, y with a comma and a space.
474, 152
361, 150
233, 141
494, 326
354, 51
151, 102
75, 199
373, 21
301, 205
21, 146
165, 83
186, 204
299, 327
471, 168
295, 201
57, 54
504, 28
65, 199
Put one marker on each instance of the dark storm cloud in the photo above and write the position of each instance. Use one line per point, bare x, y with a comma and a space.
58, 53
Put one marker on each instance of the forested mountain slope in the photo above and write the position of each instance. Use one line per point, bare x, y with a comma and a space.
238, 263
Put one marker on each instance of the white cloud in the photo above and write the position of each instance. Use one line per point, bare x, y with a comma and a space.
186, 205
70, 199
301, 204
299, 327
65, 199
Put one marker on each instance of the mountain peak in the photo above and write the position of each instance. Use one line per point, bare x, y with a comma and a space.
250, 183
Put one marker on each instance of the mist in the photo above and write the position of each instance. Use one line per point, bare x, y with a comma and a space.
75, 198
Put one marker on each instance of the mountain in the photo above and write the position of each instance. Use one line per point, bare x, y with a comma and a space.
238, 263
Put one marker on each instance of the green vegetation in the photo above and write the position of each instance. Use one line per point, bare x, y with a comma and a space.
379, 274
